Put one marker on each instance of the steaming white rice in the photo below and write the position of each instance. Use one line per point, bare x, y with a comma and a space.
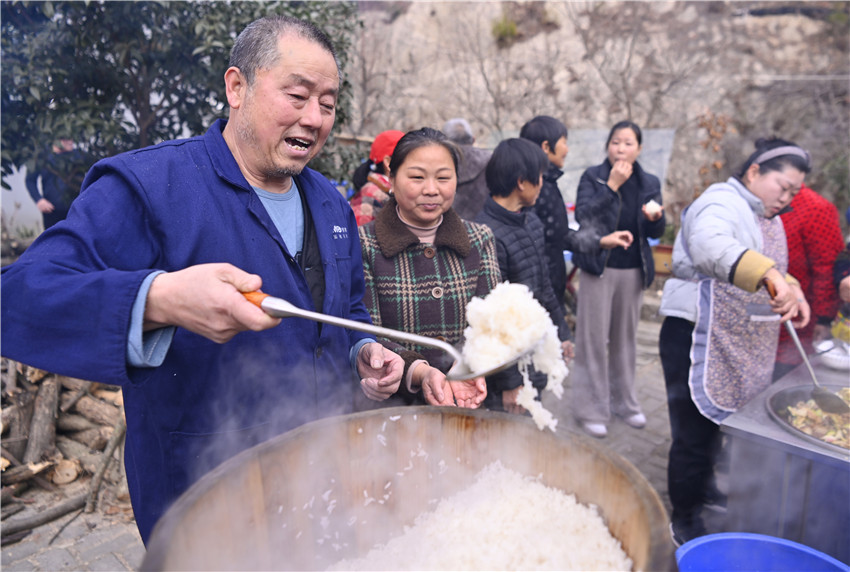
507, 322
503, 521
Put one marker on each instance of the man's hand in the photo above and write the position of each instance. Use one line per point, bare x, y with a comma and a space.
44, 206
206, 299
380, 370
469, 393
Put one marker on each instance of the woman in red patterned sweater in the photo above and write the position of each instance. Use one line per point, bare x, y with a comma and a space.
814, 240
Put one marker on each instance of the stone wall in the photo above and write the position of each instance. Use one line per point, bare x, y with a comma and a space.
720, 74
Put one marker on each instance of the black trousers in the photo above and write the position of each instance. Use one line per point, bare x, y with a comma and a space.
695, 439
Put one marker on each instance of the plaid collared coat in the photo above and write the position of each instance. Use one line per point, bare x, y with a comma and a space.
424, 288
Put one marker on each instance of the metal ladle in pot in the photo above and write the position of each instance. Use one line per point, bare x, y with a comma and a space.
280, 308
825, 399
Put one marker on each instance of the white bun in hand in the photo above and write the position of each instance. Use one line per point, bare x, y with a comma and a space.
653, 208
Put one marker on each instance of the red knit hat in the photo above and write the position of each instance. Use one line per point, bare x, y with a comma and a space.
384, 144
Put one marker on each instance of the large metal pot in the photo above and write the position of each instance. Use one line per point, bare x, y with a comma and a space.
334, 488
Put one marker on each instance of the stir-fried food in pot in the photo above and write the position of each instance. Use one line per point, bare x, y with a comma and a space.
829, 427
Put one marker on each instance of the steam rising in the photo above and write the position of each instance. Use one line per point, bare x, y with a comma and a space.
333, 489
502, 521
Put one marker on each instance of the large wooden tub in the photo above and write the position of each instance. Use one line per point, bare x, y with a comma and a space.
334, 488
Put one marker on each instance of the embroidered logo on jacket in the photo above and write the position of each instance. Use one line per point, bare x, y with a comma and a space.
340, 232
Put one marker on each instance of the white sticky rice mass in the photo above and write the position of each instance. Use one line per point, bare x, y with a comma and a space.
507, 322
503, 521
653, 208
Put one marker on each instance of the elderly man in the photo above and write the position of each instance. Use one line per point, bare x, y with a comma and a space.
472, 190
141, 286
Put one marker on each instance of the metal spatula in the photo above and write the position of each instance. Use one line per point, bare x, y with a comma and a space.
280, 308
825, 399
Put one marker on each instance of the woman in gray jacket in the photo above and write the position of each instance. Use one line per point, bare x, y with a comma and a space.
719, 336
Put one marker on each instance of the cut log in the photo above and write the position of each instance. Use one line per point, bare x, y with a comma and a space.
9, 492
33, 374
73, 384
116, 439
9, 375
89, 460
97, 411
95, 438
115, 397
6, 418
77, 388
24, 472
42, 437
9, 510
40, 481
66, 471
8, 539
70, 422
14, 525
19, 424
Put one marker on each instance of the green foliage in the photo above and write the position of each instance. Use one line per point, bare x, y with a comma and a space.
504, 31
670, 232
114, 76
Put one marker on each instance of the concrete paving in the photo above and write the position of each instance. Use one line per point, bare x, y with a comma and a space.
102, 542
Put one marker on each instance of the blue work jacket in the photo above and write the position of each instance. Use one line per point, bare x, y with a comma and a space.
66, 308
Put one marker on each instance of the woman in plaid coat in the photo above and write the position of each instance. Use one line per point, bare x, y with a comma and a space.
423, 264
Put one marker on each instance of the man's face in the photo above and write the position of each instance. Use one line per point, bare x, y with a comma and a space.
284, 118
558, 155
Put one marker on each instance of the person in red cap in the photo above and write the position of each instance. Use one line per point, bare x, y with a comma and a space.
373, 186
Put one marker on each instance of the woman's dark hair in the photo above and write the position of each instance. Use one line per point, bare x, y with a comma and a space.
413, 140
774, 154
361, 174
544, 128
514, 160
625, 125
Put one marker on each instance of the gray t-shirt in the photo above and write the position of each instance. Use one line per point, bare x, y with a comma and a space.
287, 214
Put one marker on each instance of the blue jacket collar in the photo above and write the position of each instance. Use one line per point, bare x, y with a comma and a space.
222, 157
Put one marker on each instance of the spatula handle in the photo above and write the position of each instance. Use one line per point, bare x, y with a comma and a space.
255, 297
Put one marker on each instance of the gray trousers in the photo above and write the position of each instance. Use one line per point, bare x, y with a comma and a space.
603, 374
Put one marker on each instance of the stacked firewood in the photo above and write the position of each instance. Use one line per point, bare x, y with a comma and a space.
58, 434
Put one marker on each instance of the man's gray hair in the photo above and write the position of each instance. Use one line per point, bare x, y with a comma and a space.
459, 131
256, 46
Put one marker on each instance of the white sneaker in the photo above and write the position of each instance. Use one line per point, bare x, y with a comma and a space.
598, 430
638, 420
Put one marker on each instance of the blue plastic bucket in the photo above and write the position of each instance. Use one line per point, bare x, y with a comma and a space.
728, 551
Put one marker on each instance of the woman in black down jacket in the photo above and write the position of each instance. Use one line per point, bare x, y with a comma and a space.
617, 195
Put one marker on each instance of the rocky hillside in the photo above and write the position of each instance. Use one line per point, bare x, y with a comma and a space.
721, 74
